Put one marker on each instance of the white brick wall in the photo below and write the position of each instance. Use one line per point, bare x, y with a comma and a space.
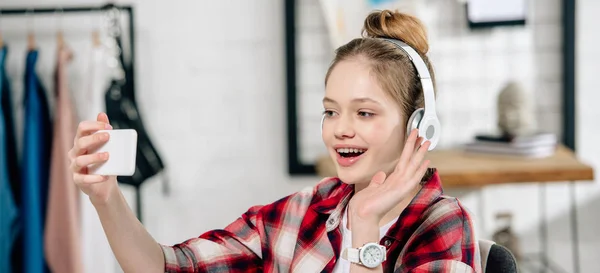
218, 67
471, 68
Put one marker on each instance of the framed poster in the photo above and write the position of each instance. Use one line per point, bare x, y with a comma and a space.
493, 13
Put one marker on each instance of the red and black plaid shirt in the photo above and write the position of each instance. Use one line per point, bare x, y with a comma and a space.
300, 233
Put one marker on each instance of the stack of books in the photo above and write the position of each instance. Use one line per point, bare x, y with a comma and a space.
535, 145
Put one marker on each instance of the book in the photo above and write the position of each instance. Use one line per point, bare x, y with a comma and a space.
535, 145
534, 139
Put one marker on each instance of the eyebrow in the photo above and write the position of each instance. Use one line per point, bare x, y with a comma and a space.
356, 100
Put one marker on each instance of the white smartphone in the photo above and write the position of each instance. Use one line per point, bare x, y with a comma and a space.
121, 147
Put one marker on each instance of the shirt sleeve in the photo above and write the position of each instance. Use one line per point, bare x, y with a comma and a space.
445, 241
237, 248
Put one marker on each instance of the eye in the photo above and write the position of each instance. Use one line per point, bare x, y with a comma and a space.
328, 113
365, 114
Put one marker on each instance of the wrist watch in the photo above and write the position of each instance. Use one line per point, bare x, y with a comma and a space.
370, 255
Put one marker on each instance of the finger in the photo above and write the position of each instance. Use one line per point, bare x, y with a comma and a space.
418, 143
418, 175
407, 152
89, 178
86, 160
88, 127
418, 158
71, 153
103, 117
378, 179
77, 169
87, 143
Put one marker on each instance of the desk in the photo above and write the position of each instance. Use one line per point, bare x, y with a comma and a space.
459, 169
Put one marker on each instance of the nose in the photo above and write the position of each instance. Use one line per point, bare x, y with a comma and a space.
344, 128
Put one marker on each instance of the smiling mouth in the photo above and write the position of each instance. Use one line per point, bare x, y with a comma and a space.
350, 152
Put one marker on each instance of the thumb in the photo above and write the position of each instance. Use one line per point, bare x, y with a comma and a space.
378, 179
102, 117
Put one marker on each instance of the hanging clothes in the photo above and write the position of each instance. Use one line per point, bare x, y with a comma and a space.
8, 207
97, 254
35, 167
121, 108
9, 126
12, 160
62, 230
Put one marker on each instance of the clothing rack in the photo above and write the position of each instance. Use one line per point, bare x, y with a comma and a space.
90, 9
80, 9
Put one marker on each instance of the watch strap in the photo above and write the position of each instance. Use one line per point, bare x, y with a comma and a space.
351, 254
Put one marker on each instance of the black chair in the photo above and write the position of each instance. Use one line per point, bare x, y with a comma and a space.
496, 258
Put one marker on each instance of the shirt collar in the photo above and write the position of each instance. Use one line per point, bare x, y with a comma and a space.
334, 199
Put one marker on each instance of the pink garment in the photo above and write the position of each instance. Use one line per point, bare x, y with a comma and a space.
62, 233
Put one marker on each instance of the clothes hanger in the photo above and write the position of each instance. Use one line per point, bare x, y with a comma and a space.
113, 29
31, 34
30, 41
60, 40
1, 40
96, 38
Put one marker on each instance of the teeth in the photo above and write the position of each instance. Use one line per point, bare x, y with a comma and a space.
350, 150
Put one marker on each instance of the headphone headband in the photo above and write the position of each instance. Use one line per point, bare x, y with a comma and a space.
422, 73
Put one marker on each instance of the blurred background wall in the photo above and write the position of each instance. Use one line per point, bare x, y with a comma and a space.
210, 81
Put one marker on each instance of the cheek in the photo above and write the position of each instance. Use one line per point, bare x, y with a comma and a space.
327, 133
386, 140
376, 134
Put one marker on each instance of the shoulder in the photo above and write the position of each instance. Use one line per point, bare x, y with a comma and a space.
447, 208
448, 226
448, 218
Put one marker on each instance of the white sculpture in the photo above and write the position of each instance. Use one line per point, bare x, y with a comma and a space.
516, 113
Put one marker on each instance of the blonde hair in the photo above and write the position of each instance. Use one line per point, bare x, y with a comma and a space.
391, 67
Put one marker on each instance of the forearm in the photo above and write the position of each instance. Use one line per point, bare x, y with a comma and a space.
132, 245
363, 233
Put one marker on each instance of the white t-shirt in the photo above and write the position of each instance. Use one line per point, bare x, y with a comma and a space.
342, 265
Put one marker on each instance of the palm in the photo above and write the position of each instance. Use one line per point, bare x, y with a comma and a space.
383, 193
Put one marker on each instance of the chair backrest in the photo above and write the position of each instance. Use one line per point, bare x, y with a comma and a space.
496, 258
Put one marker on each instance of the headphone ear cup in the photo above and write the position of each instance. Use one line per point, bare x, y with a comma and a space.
414, 120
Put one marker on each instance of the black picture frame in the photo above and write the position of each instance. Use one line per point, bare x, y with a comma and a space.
568, 64
491, 24
296, 167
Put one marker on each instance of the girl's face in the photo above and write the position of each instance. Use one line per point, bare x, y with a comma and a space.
363, 128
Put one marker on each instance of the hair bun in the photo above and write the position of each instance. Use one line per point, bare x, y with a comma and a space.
399, 26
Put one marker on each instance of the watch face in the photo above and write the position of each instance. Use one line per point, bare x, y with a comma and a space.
371, 255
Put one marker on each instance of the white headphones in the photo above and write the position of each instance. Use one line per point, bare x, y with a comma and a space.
424, 119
